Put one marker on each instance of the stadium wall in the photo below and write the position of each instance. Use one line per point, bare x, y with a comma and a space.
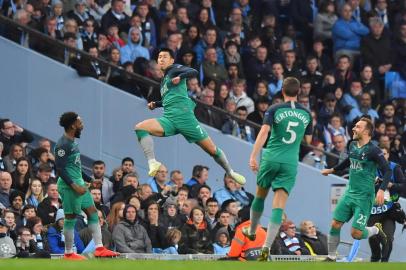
36, 90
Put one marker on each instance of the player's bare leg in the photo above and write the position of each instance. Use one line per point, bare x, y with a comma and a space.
94, 226
144, 130
218, 155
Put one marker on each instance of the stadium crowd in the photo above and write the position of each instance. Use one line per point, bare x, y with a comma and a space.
349, 55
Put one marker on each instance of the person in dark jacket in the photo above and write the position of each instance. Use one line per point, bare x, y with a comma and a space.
315, 241
155, 230
129, 236
48, 207
116, 15
195, 235
11, 133
287, 242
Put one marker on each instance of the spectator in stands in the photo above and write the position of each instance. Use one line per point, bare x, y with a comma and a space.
55, 237
127, 166
260, 65
222, 241
325, 19
350, 100
323, 56
17, 202
316, 158
97, 198
334, 127
71, 26
27, 212
399, 48
176, 179
11, 133
101, 181
38, 234
173, 236
8, 249
89, 35
58, 13
104, 45
370, 85
158, 182
79, 13
388, 115
232, 206
35, 193
347, 33
240, 96
364, 109
186, 209
233, 190
339, 149
238, 128
328, 108
155, 230
203, 20
26, 246
86, 233
40, 156
211, 210
204, 112
130, 186
10, 161
148, 27
257, 116
315, 241
10, 219
241, 247
290, 65
5, 189
200, 175
22, 175
129, 236
287, 242
2, 165
182, 196
116, 15
209, 41
15, 34
376, 49
195, 235
203, 194
115, 215
134, 48
211, 68
314, 76
49, 206
44, 174
170, 217
275, 84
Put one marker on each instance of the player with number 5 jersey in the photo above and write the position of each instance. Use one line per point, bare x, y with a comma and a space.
289, 123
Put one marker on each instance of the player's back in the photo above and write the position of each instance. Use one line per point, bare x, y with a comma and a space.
67, 158
289, 122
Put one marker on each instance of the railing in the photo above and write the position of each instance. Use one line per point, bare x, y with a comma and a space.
59, 51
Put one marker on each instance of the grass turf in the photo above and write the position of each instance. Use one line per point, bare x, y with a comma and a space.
117, 264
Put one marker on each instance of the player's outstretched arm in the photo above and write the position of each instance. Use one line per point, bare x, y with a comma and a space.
344, 164
259, 143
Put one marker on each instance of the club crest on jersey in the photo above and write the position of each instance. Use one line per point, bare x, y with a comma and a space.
355, 165
363, 156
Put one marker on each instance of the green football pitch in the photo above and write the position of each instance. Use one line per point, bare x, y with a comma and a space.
117, 264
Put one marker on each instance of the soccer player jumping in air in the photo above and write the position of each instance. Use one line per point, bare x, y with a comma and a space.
178, 117
71, 186
364, 159
289, 123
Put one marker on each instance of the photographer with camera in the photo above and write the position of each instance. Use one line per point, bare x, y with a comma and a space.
388, 213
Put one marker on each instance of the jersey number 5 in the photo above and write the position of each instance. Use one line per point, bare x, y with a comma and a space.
291, 132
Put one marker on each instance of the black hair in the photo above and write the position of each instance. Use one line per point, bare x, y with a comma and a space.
210, 200
3, 121
67, 119
127, 159
197, 170
98, 162
171, 53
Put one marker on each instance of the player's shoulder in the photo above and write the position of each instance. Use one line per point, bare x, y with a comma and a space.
63, 143
301, 107
374, 149
275, 107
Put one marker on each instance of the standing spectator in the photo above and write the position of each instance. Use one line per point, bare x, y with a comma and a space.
303, 14
328, 108
343, 74
240, 96
376, 48
260, 65
275, 84
314, 240
5, 189
347, 33
129, 236
370, 85
334, 127
365, 105
209, 41
211, 68
257, 116
339, 149
399, 48
148, 27
116, 15
324, 21
195, 235
314, 76
49, 206
11, 133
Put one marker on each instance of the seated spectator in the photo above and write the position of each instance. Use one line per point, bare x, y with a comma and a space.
240, 96
339, 149
158, 182
71, 26
200, 175
316, 158
10, 160
44, 174
232, 207
334, 127
275, 84
10, 218
363, 109
238, 128
242, 248
221, 245
41, 156
97, 198
56, 240
134, 48
205, 113
8, 249
11, 133
209, 40
287, 242
22, 175
195, 235
211, 68
86, 233
347, 33
260, 65
182, 196
232, 56
233, 190
176, 179
90, 67
257, 116
221, 96
49, 206
101, 181
38, 234
114, 37
129, 236
211, 210
388, 115
27, 212
170, 217
203, 194
172, 237
313, 75
290, 65
116, 215
17, 201
5, 189
26, 246
260, 91
130, 186
315, 241
328, 108
156, 232
89, 35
